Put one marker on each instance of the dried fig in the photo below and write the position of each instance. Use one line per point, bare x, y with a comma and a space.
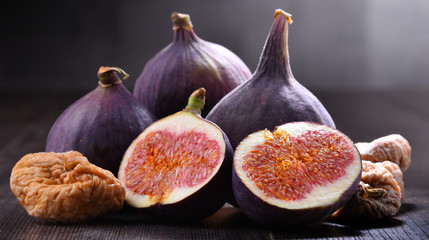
64, 187
395, 170
378, 195
394, 148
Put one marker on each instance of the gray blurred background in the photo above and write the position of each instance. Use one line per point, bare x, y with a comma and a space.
333, 44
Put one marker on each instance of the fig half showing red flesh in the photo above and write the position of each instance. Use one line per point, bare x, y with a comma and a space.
298, 174
179, 168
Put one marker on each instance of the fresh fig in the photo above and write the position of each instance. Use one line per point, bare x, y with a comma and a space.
179, 168
102, 124
298, 174
272, 96
186, 64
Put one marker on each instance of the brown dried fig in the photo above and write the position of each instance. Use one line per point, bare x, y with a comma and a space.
394, 148
378, 195
64, 187
395, 170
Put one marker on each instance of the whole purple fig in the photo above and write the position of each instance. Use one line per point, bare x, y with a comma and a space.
272, 96
186, 64
102, 124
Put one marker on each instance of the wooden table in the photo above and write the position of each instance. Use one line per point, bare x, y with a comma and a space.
25, 120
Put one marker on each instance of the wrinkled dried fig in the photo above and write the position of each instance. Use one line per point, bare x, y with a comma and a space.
378, 195
394, 148
395, 170
64, 187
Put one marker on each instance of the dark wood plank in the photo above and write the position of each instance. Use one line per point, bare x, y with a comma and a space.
228, 222
26, 119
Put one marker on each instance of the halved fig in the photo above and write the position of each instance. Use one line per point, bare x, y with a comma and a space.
179, 168
298, 174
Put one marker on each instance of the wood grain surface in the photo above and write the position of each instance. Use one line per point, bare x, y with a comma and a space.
25, 120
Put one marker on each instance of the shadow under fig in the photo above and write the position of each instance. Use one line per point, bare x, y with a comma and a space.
388, 222
407, 208
362, 224
237, 220
232, 219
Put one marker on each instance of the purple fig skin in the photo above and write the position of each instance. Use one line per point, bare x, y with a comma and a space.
101, 125
272, 96
186, 64
267, 214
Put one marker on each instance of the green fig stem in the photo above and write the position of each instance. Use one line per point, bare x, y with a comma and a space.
275, 56
196, 101
108, 76
181, 20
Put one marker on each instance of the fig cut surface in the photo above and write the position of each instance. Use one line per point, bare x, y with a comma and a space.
171, 160
301, 165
